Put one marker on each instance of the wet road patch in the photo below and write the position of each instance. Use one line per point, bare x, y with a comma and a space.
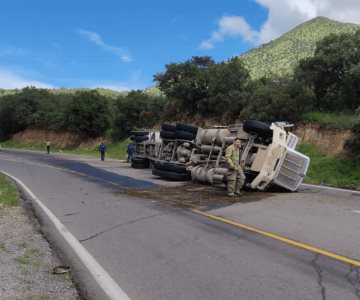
192, 195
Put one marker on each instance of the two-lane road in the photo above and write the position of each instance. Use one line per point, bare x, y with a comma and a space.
153, 251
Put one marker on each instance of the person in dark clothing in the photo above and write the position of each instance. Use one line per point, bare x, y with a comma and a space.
130, 151
102, 149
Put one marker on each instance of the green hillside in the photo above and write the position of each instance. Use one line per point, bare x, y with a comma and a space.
280, 56
151, 91
104, 92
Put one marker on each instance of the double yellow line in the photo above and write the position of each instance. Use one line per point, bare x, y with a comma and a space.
282, 239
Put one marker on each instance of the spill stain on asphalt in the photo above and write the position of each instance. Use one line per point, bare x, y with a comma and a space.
191, 195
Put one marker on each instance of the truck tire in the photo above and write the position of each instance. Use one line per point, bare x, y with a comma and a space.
139, 138
184, 135
260, 128
167, 135
140, 166
139, 133
140, 163
170, 167
170, 175
168, 127
187, 128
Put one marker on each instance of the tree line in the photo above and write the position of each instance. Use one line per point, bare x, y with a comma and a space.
87, 113
327, 82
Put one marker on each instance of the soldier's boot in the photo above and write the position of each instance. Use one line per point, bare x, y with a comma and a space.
231, 188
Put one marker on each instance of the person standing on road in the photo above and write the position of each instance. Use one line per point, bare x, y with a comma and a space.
130, 151
48, 147
235, 174
102, 149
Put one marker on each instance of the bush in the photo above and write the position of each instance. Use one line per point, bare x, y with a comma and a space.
136, 110
88, 114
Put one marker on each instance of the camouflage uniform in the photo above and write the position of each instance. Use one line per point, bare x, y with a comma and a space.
235, 174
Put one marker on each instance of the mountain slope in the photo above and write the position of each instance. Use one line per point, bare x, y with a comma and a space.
280, 56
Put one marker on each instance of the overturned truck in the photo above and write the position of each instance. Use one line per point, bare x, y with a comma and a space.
268, 156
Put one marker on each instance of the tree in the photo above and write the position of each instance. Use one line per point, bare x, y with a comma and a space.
88, 113
281, 100
187, 82
333, 72
228, 88
136, 110
44, 106
17, 110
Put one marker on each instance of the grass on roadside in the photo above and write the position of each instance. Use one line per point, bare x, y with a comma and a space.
115, 150
330, 171
336, 120
2, 247
41, 297
9, 195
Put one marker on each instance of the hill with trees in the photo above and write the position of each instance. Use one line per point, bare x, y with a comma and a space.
281, 56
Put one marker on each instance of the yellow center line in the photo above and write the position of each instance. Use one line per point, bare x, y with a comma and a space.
282, 239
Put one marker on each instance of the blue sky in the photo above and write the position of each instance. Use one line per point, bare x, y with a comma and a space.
121, 44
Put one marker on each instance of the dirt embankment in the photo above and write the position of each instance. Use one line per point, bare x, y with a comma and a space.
329, 140
60, 139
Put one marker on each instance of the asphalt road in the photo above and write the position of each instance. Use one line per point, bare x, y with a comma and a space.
156, 251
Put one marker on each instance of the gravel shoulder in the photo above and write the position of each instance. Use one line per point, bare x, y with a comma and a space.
27, 260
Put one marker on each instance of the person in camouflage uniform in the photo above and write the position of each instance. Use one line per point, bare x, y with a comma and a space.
235, 174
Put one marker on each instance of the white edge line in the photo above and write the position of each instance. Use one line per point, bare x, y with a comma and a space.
330, 188
106, 282
356, 211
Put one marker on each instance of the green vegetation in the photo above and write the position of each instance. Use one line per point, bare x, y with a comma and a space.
199, 85
30, 260
32, 251
22, 244
116, 150
32, 146
2, 246
42, 297
335, 120
136, 110
86, 112
23, 260
281, 56
330, 171
9, 195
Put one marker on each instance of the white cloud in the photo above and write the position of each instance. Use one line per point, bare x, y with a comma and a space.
96, 39
232, 26
10, 80
283, 15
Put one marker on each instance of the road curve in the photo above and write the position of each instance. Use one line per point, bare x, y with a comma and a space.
153, 251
